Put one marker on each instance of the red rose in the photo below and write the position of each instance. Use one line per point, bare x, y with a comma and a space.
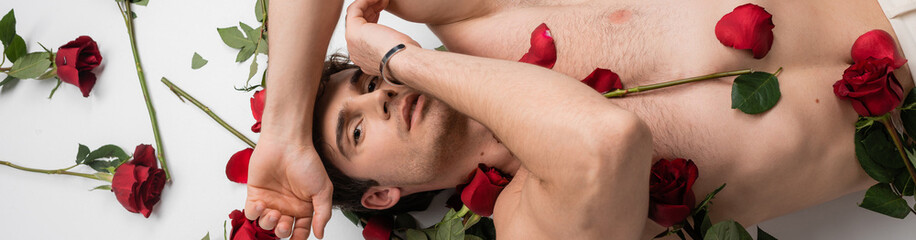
257, 109
671, 196
543, 51
237, 167
877, 44
378, 228
747, 27
603, 80
480, 194
75, 61
138, 183
244, 229
871, 86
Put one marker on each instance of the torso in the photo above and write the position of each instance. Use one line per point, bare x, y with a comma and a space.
801, 150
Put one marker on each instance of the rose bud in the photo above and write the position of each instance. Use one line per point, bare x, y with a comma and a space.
480, 194
543, 51
747, 27
138, 183
237, 167
671, 196
257, 109
877, 44
871, 86
603, 80
378, 228
244, 229
75, 61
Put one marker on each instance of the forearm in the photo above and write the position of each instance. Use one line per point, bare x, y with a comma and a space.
549, 120
299, 34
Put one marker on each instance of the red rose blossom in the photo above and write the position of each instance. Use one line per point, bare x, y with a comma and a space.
257, 109
671, 196
237, 167
747, 27
871, 86
138, 183
75, 61
543, 51
378, 228
244, 229
480, 194
603, 80
877, 44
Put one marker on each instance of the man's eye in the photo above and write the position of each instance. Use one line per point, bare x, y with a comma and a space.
357, 133
372, 84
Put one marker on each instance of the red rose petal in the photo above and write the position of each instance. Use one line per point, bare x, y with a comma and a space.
244, 229
145, 155
871, 86
877, 44
671, 197
237, 167
87, 81
65, 60
668, 215
124, 185
378, 228
257, 108
543, 50
747, 27
480, 194
603, 80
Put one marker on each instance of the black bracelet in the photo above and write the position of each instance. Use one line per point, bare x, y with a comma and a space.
384, 63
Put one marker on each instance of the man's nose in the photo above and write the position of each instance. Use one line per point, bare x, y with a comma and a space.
381, 102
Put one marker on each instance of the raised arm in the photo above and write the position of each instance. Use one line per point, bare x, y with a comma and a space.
286, 179
588, 159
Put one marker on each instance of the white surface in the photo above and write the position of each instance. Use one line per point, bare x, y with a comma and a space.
42, 133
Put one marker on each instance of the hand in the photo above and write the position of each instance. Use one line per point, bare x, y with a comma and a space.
289, 179
367, 41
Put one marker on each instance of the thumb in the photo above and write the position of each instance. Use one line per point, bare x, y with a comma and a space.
322, 204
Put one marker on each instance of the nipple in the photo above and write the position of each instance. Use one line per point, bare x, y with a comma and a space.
619, 16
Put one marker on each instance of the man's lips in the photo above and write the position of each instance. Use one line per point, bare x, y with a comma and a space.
408, 106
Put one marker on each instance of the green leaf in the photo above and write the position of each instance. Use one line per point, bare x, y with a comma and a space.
81, 154
207, 237
412, 234
263, 78
133, 15
197, 61
448, 215
450, 230
881, 199
253, 68
442, 48
102, 187
105, 157
908, 113
727, 230
260, 8
352, 216
763, 235
262, 47
483, 229
405, 220
472, 237
864, 122
870, 150
251, 33
8, 28
232, 37
755, 92
704, 204
7, 80
16, 49
245, 53
904, 183
141, 3
31, 65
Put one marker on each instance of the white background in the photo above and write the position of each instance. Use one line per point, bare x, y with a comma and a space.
43, 133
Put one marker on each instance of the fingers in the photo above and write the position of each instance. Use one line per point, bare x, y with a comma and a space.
253, 210
269, 220
301, 229
322, 205
283, 229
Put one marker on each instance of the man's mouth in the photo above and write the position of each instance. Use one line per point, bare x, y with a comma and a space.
410, 110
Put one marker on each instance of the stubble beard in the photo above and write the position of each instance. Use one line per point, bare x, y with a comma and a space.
440, 147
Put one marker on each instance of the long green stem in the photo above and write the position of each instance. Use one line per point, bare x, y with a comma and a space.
128, 20
57, 171
219, 120
622, 92
893, 132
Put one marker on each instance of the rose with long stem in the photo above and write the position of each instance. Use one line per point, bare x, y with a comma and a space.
623, 92
127, 14
98, 176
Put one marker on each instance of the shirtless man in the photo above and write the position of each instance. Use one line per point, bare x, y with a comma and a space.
804, 142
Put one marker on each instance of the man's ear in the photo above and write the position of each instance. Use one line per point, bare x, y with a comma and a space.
381, 198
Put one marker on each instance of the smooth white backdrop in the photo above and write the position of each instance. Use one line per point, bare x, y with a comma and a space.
42, 133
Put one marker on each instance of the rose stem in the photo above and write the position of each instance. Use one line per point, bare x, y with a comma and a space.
57, 171
622, 92
128, 20
219, 120
5, 69
690, 231
906, 161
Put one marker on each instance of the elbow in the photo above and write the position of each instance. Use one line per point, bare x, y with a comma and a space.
621, 146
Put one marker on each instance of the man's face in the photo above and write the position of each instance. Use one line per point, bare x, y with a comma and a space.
391, 134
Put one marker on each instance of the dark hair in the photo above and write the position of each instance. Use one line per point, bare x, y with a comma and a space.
348, 192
